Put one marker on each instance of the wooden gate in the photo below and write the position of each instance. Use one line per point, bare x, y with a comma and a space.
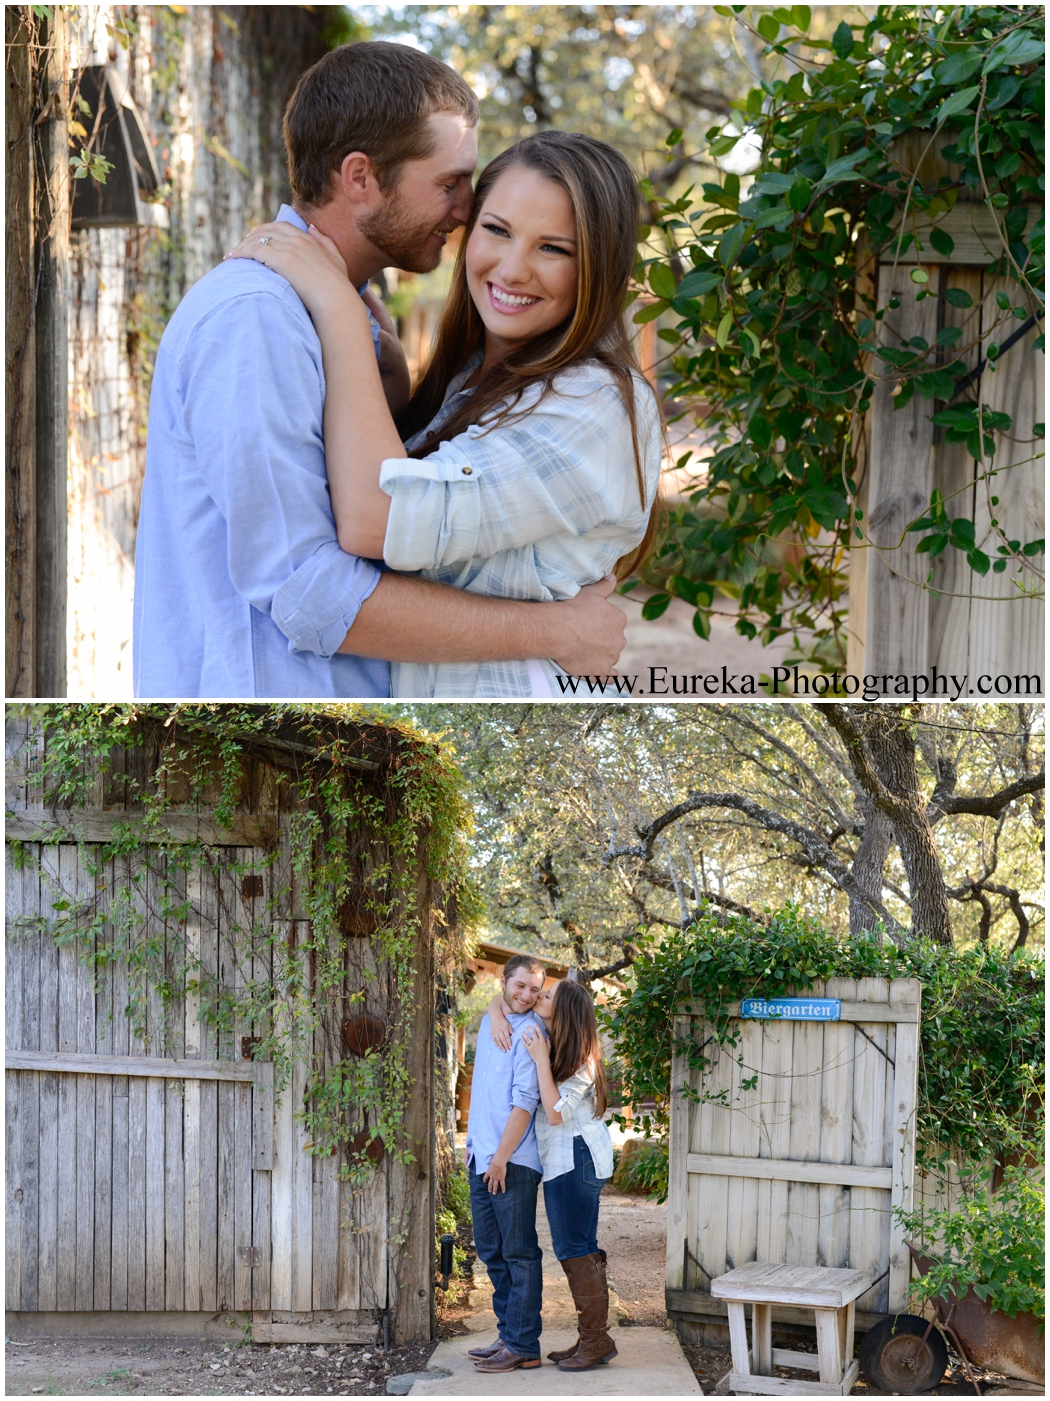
154, 1172
807, 1153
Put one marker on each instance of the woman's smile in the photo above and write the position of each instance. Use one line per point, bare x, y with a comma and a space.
508, 302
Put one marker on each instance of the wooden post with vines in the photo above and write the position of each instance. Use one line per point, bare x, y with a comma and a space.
903, 618
37, 240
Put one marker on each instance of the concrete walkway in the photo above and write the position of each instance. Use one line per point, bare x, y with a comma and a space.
650, 1361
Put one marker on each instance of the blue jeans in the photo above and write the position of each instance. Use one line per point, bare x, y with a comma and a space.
505, 1239
572, 1206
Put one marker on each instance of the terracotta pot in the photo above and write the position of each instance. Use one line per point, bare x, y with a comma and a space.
994, 1340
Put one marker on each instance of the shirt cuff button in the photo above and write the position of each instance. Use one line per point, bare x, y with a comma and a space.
468, 471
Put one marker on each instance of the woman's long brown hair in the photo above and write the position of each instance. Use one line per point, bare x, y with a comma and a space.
574, 1038
605, 202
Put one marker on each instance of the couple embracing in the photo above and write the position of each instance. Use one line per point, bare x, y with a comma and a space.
311, 527
536, 1113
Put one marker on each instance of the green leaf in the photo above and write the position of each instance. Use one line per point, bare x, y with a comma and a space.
955, 296
978, 561
956, 103
1016, 48
674, 137
750, 342
702, 623
731, 244
656, 606
842, 40
843, 167
801, 17
942, 242
698, 284
919, 275
1002, 301
760, 431
769, 28
798, 196
958, 67
650, 313
661, 280
724, 328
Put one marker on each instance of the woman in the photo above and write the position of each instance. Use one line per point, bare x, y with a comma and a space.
576, 1154
532, 444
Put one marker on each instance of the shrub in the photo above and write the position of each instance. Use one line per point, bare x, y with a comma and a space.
641, 1166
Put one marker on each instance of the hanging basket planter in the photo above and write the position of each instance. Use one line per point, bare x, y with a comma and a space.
374, 1151
364, 1033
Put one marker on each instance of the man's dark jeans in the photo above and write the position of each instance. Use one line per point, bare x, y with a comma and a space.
505, 1239
571, 1202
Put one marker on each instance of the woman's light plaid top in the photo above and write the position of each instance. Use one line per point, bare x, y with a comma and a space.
532, 509
576, 1107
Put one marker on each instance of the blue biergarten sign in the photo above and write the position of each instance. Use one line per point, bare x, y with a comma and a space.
792, 1009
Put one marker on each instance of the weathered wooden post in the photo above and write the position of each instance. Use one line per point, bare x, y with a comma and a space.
963, 624
36, 355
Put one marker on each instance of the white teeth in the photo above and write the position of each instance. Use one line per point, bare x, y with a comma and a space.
508, 300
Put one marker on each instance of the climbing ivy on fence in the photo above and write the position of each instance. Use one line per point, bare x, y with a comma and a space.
981, 1036
353, 833
778, 343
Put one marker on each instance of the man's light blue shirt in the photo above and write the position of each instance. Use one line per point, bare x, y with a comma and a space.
502, 1081
241, 588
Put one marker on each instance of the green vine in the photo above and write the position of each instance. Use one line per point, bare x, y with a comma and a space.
994, 1245
780, 342
981, 1035
370, 805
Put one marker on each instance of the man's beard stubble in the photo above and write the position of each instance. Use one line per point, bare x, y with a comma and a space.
401, 238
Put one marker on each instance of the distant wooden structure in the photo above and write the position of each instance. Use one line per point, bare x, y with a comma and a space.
803, 1167
152, 1181
968, 625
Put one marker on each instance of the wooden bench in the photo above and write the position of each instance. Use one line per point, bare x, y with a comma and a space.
831, 1294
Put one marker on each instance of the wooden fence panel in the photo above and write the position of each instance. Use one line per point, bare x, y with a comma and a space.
804, 1166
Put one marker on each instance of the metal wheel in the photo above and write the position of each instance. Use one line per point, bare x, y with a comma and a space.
898, 1356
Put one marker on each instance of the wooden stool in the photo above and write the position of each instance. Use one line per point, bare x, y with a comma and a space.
831, 1294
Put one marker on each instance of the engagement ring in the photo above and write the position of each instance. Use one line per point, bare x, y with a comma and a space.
265, 240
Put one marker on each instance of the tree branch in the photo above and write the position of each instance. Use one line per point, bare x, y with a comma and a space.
991, 806
814, 847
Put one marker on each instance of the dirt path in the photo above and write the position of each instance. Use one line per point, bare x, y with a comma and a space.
103, 1368
633, 1233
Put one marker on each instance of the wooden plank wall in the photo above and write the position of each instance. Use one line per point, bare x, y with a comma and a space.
971, 626
154, 1194
124, 1192
826, 1094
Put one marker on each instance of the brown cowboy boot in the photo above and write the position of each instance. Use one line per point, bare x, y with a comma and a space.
590, 1292
560, 1356
489, 1351
505, 1361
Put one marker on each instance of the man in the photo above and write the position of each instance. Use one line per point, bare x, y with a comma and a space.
241, 588
503, 1163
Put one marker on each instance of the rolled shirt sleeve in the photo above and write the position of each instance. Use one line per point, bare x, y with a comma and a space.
572, 1092
525, 1084
562, 467
261, 455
